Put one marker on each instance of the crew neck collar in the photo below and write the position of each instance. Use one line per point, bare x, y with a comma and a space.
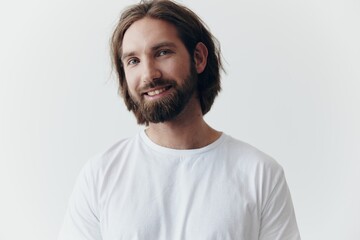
180, 152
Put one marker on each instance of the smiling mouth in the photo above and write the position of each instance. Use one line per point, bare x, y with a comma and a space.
157, 91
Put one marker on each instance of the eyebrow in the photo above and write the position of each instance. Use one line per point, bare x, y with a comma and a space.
153, 49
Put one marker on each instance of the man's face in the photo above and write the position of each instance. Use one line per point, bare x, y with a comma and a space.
159, 74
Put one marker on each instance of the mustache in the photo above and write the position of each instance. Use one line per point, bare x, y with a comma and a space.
157, 83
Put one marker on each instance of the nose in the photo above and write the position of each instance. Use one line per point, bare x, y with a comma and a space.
151, 71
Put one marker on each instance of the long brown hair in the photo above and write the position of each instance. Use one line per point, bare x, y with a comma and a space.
191, 30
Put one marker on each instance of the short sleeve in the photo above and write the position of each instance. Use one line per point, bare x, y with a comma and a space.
81, 220
278, 220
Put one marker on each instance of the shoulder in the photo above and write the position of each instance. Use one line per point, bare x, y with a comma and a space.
255, 169
247, 155
112, 156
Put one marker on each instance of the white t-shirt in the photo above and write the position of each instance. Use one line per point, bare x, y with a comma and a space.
138, 190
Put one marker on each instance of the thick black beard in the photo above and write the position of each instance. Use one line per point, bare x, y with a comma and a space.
170, 106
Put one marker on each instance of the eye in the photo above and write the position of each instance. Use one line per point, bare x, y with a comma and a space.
132, 61
163, 52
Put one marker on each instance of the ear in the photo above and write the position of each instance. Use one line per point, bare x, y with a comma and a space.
200, 57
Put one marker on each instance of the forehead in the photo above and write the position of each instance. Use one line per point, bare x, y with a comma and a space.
147, 32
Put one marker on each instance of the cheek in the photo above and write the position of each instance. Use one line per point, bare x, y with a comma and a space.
131, 82
178, 69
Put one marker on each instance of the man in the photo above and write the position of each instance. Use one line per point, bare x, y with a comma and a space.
179, 178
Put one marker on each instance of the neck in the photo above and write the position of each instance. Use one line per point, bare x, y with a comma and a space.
187, 131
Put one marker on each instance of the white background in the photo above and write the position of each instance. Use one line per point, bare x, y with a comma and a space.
291, 89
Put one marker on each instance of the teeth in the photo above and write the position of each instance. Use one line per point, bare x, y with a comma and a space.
156, 92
